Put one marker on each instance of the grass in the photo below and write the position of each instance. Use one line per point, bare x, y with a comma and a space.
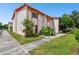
22, 40
60, 46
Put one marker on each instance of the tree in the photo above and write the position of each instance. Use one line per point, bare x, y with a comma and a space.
66, 23
75, 17
5, 26
28, 24
0, 25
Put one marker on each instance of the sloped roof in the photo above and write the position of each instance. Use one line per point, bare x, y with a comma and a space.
19, 8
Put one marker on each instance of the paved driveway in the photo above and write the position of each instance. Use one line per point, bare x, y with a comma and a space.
1, 31
9, 46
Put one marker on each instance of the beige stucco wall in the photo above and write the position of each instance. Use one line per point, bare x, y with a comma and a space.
29, 14
45, 21
40, 22
21, 15
14, 23
51, 24
56, 25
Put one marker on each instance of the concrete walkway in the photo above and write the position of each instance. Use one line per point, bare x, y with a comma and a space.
37, 43
9, 46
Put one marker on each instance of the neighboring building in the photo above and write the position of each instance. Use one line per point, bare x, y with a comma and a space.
10, 25
39, 18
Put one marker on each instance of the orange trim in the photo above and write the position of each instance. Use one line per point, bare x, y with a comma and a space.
37, 11
31, 8
37, 25
18, 9
13, 15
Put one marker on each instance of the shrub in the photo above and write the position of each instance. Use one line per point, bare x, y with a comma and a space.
28, 24
76, 33
29, 34
77, 37
34, 35
47, 31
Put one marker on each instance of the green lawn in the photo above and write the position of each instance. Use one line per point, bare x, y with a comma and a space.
22, 40
63, 45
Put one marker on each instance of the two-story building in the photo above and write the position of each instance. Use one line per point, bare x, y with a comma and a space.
39, 18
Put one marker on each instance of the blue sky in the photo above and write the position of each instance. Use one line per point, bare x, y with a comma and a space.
52, 9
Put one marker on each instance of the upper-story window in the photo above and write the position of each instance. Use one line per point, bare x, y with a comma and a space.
34, 15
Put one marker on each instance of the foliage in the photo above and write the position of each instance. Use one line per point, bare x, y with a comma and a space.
75, 17
32, 34
76, 33
1, 25
47, 31
28, 24
22, 40
77, 36
66, 23
59, 46
69, 21
5, 26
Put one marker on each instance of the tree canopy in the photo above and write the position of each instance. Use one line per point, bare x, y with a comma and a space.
75, 17
66, 23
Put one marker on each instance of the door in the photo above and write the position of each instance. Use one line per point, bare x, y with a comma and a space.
36, 29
